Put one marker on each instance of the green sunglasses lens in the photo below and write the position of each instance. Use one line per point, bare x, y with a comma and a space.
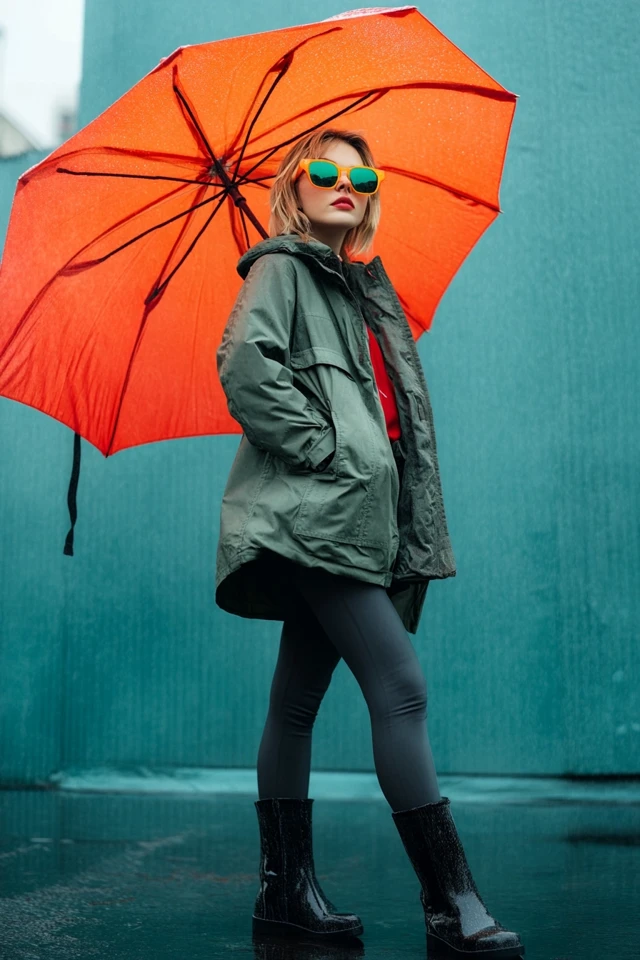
323, 173
363, 179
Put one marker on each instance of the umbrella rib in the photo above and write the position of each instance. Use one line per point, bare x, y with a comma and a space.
84, 263
275, 83
282, 66
148, 305
422, 178
69, 267
134, 176
257, 180
244, 225
460, 87
179, 93
158, 290
314, 127
150, 176
43, 167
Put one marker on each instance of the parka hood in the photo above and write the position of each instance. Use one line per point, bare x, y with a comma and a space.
314, 250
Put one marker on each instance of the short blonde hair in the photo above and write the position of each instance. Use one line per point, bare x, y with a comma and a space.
285, 215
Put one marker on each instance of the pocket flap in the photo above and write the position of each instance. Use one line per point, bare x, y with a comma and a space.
313, 355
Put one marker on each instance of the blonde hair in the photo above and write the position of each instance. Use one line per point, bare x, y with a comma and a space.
285, 215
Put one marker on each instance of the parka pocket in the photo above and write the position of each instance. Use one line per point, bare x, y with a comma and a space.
313, 367
325, 376
350, 510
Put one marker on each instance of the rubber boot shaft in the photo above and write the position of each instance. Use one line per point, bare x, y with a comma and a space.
290, 901
457, 921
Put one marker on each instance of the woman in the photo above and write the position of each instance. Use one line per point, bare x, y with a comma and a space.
332, 521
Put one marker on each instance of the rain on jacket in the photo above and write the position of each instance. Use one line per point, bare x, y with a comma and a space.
295, 367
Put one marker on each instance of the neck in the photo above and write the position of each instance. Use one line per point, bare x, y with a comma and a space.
332, 236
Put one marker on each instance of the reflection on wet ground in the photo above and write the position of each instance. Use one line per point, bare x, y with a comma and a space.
158, 875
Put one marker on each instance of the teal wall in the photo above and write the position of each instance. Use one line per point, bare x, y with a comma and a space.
119, 656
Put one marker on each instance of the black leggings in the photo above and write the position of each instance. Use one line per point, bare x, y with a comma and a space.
332, 617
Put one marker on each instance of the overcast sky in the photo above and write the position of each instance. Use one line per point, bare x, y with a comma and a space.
40, 61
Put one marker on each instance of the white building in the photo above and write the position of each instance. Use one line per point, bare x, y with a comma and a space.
14, 138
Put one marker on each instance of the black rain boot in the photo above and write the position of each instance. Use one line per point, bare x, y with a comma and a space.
290, 901
458, 923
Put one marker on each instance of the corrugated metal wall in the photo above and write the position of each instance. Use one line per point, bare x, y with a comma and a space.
119, 657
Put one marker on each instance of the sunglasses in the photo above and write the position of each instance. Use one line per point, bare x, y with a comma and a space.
325, 174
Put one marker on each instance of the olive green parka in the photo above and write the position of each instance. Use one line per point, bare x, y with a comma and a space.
295, 367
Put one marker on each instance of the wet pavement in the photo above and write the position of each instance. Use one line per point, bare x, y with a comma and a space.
173, 872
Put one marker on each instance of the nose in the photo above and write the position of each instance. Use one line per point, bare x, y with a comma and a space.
344, 181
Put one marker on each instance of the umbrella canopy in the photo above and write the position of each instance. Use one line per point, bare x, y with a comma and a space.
118, 272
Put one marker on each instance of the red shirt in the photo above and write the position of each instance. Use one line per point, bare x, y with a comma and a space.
385, 388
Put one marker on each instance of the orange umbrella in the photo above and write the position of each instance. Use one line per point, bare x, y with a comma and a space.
119, 272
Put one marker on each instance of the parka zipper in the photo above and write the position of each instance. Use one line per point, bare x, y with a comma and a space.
363, 329
363, 334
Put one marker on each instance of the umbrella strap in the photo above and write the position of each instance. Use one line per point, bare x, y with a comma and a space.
71, 494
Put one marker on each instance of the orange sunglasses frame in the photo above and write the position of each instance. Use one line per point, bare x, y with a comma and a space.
304, 165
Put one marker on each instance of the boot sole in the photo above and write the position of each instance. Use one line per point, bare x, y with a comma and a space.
441, 947
279, 928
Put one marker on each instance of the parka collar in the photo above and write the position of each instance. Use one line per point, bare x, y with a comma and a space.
314, 250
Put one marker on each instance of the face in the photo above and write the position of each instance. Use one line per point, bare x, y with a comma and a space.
317, 203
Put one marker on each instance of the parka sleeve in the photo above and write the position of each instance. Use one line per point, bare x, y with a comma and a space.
253, 367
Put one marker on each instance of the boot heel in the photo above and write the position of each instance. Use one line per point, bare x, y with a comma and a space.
290, 931
437, 948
